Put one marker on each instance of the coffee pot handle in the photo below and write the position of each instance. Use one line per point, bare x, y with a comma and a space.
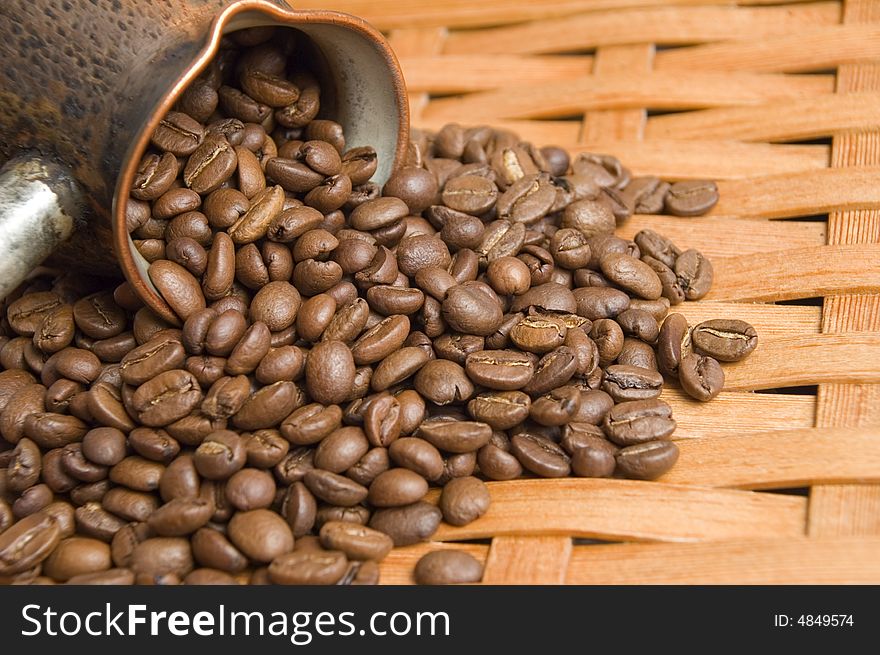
40, 205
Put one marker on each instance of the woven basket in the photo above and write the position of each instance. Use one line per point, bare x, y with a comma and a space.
779, 477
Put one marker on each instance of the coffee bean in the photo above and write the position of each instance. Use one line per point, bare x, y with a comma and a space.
625, 383
260, 534
673, 344
632, 275
540, 456
634, 422
701, 377
357, 542
464, 500
501, 410
472, 308
397, 487
447, 567
443, 382
647, 461
727, 340
691, 198
308, 568
553, 370
409, 524
28, 542
695, 274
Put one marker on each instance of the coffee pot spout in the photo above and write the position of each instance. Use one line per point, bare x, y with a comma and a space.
40, 204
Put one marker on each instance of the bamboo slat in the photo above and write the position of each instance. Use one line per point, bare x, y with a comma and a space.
799, 273
659, 25
657, 90
781, 460
752, 561
630, 510
782, 120
387, 14
527, 560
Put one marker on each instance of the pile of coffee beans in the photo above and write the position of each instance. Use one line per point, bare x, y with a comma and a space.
341, 347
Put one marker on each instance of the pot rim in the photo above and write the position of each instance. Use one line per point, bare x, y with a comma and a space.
285, 17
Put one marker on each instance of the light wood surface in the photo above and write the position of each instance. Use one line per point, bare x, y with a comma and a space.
780, 103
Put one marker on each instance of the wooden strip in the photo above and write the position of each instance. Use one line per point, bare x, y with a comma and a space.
851, 509
800, 194
618, 123
462, 73
805, 360
771, 321
780, 120
797, 273
717, 160
758, 561
798, 51
844, 510
657, 90
732, 413
527, 560
398, 566
663, 26
419, 41
781, 460
727, 237
631, 510
387, 14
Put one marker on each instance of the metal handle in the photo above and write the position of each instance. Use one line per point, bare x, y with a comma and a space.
39, 207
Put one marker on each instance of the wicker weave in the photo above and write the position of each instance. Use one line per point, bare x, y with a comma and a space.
781, 104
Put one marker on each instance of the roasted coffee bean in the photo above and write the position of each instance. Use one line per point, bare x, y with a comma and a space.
265, 448
161, 556
556, 408
691, 198
632, 275
727, 340
443, 382
341, 449
503, 370
539, 333
701, 377
591, 462
639, 324
330, 370
370, 466
447, 567
631, 383
647, 461
673, 344
579, 435
695, 274
657, 246
409, 524
308, 568
417, 455
595, 303
178, 134
553, 370
472, 308
220, 455
501, 410
77, 556
464, 500
299, 508
637, 353
334, 489
250, 489
357, 542
260, 534
540, 456
634, 422
397, 487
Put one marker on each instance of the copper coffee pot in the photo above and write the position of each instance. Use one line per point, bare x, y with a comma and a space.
83, 84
